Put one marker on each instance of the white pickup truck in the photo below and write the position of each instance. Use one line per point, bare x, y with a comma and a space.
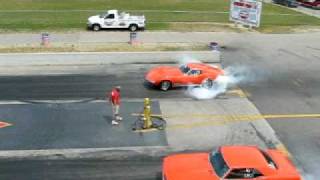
114, 19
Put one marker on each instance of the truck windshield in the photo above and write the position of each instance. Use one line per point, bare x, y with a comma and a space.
102, 15
218, 163
110, 16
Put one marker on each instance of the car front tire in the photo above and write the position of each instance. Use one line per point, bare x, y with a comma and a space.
96, 27
165, 85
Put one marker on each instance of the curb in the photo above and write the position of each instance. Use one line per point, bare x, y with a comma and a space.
97, 58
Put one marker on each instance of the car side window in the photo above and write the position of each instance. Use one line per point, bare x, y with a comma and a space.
110, 16
243, 173
194, 72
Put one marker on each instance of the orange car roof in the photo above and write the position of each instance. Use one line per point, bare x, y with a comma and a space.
243, 157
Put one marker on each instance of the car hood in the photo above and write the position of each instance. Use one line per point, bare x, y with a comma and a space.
189, 166
163, 72
95, 18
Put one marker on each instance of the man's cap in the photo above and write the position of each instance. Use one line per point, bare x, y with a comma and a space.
117, 87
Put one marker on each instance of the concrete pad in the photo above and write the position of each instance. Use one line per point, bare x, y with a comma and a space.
210, 123
101, 58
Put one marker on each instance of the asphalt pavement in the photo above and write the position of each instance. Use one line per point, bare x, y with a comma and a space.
73, 126
138, 168
64, 87
309, 11
281, 77
300, 8
284, 79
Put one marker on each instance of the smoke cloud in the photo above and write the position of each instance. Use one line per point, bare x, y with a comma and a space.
234, 75
308, 177
187, 59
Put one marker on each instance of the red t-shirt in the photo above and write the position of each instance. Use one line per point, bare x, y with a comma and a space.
115, 97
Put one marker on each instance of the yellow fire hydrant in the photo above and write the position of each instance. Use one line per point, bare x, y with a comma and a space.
147, 122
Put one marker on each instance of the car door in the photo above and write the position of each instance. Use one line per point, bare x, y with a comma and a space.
109, 21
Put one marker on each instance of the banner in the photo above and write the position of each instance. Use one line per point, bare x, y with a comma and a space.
247, 12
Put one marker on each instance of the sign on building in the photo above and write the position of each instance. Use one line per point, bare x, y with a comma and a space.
247, 12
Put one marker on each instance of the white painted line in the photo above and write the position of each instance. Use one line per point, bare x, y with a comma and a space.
88, 100
78, 153
51, 101
12, 102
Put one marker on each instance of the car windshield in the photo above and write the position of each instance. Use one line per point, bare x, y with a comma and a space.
271, 163
218, 163
184, 69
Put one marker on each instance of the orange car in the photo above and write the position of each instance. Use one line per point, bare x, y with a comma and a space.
230, 162
166, 77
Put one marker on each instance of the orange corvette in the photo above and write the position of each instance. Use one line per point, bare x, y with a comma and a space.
230, 162
166, 77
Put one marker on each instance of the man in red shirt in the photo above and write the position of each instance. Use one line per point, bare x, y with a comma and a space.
114, 99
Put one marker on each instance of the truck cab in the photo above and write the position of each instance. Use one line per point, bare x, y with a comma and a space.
114, 19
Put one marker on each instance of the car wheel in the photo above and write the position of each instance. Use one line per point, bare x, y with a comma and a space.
207, 83
165, 85
133, 27
96, 27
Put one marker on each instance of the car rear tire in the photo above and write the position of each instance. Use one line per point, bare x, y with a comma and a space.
96, 27
133, 27
207, 83
165, 85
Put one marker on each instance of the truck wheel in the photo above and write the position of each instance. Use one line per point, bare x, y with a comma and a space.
96, 27
165, 85
133, 27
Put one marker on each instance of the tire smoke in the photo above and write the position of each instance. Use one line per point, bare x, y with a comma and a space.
185, 59
308, 177
234, 75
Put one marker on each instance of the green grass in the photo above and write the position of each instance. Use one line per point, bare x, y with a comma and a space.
201, 5
76, 20
107, 47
